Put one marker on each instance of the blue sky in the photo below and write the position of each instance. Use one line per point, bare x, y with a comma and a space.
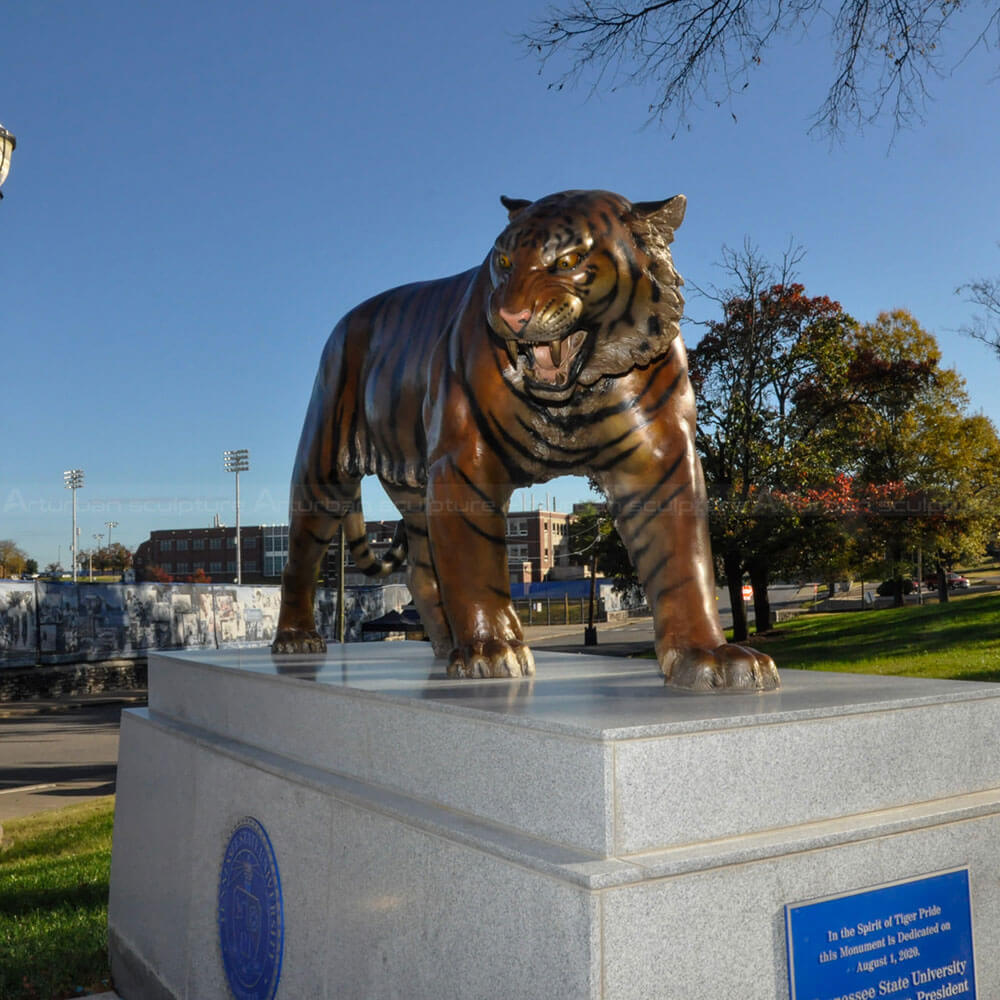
201, 189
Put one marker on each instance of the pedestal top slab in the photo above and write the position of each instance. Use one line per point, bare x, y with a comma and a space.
591, 697
593, 752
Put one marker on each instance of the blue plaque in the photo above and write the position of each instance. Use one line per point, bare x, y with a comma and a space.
251, 920
906, 941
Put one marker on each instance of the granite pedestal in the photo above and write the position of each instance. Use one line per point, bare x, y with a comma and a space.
587, 833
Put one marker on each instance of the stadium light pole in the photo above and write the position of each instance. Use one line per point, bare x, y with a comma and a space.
7, 144
237, 461
73, 480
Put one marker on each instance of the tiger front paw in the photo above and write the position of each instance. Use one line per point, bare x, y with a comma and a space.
726, 668
492, 658
298, 640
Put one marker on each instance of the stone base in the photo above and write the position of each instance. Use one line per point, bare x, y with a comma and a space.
585, 834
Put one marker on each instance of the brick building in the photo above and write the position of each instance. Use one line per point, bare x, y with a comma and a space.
182, 552
537, 541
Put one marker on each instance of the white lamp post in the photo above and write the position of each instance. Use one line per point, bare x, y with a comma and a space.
237, 461
73, 480
7, 144
109, 525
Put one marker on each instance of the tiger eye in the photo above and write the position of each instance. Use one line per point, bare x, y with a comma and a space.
504, 261
570, 261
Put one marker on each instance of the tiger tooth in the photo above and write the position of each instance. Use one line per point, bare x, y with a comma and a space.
555, 349
512, 351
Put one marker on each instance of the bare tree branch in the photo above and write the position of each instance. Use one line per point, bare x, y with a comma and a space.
985, 327
884, 50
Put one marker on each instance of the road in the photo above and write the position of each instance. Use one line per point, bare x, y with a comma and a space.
51, 760
783, 595
641, 629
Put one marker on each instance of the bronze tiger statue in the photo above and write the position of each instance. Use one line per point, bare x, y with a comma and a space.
560, 354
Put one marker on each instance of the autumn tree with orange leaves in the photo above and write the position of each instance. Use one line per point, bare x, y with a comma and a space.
773, 343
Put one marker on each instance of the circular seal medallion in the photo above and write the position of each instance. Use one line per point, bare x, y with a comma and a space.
251, 920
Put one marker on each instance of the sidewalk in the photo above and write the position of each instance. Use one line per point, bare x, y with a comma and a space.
127, 698
628, 638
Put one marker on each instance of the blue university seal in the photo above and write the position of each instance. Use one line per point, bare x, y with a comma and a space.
251, 920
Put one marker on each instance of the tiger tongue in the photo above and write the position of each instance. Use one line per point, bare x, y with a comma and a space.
549, 362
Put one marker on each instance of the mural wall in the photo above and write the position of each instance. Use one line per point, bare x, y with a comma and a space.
42, 622
18, 624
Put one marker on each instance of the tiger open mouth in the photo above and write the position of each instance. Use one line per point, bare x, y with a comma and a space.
550, 365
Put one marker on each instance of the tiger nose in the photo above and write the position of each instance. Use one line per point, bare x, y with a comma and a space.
517, 321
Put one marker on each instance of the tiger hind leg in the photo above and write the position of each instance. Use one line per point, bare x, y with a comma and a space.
423, 581
314, 523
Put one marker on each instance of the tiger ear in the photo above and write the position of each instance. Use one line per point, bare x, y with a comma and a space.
514, 206
665, 216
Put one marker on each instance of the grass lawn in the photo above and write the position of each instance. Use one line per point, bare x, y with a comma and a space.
959, 640
54, 870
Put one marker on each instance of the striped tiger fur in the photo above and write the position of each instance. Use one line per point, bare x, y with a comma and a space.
560, 354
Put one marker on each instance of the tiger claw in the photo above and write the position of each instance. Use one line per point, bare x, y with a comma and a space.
298, 640
727, 668
493, 658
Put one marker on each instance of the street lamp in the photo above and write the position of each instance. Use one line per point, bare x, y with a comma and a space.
73, 480
7, 144
237, 461
109, 525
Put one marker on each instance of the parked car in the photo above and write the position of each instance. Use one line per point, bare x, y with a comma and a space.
955, 581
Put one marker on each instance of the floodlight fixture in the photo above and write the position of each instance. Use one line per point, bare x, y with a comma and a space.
237, 461
73, 480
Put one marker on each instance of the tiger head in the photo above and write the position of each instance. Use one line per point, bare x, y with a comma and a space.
583, 287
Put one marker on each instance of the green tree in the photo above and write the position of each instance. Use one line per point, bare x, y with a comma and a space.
957, 488
688, 50
922, 469
772, 345
595, 542
115, 557
829, 540
12, 558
